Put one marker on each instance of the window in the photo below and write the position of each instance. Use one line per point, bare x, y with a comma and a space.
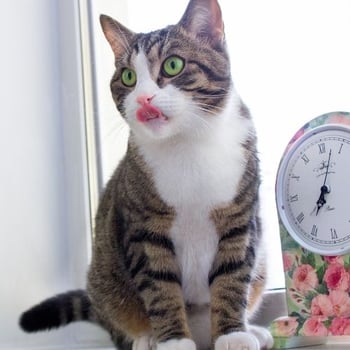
289, 64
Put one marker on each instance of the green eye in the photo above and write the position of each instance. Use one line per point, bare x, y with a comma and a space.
128, 77
173, 66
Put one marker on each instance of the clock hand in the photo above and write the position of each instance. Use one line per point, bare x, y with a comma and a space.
327, 169
324, 189
321, 200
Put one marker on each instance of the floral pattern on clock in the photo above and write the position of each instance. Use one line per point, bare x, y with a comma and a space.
317, 290
317, 287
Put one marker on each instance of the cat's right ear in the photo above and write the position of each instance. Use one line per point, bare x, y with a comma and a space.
117, 35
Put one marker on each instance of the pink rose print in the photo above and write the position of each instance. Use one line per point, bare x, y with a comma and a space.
285, 326
334, 259
337, 303
340, 326
337, 278
288, 260
314, 327
305, 278
321, 305
340, 302
339, 119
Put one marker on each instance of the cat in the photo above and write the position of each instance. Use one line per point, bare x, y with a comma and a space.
177, 259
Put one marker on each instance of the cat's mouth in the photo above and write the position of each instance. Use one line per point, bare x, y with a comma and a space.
149, 112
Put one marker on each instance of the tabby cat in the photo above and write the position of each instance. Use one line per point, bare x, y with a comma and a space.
177, 261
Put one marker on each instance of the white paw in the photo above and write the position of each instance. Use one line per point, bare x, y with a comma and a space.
237, 341
177, 344
142, 343
263, 335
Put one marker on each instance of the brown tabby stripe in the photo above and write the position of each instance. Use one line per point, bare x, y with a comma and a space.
143, 236
225, 268
138, 266
234, 232
145, 285
137, 262
209, 72
228, 267
165, 276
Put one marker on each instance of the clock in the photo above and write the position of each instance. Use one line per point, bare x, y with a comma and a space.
312, 199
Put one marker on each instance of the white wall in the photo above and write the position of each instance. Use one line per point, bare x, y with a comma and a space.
44, 212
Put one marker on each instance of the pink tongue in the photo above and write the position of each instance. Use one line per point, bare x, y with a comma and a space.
148, 112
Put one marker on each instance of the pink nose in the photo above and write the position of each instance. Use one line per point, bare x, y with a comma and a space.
144, 100
147, 110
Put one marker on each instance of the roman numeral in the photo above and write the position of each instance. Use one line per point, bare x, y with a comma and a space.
300, 217
322, 148
314, 231
294, 198
295, 177
334, 233
305, 158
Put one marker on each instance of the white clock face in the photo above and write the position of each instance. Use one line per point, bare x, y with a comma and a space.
313, 190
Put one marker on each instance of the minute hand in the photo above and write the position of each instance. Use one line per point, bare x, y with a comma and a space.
324, 189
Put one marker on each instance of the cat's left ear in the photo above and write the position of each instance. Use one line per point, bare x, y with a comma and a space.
203, 19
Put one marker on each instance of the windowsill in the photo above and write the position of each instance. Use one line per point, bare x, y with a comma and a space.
325, 347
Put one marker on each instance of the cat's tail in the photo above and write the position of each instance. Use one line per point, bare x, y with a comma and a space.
58, 311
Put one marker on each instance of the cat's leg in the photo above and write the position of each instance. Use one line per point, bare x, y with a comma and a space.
157, 278
230, 283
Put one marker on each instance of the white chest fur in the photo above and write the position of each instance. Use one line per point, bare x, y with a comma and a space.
194, 176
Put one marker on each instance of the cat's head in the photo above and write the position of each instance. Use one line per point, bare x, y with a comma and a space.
172, 81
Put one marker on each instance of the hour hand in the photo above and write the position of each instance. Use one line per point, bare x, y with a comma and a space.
321, 200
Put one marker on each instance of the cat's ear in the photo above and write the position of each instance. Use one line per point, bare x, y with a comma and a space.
203, 19
118, 36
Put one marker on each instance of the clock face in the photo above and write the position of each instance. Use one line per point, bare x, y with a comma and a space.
313, 190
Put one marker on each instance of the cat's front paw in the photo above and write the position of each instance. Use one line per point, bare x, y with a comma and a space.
257, 338
263, 335
177, 344
237, 341
142, 343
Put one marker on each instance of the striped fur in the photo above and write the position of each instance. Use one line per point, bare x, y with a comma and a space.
177, 259
57, 311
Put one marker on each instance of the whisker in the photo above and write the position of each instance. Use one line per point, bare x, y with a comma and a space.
204, 123
115, 129
223, 92
210, 108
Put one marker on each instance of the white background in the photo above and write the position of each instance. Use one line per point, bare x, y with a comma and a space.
290, 63
44, 207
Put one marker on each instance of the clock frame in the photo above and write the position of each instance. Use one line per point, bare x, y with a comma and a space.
317, 279
312, 190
